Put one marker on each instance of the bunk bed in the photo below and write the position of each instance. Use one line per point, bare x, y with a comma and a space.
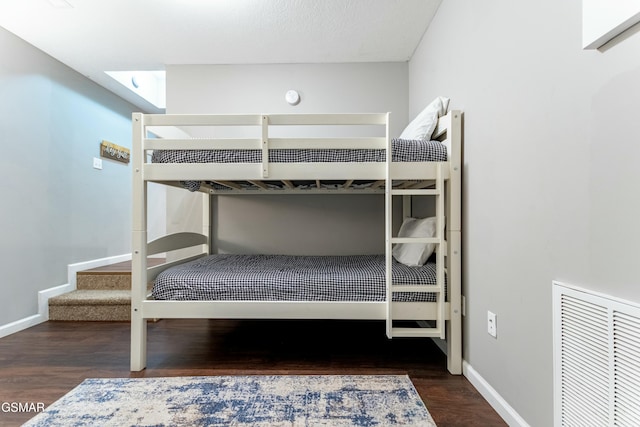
292, 154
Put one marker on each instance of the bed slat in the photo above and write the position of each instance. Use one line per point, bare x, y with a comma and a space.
328, 143
369, 310
327, 119
203, 144
203, 119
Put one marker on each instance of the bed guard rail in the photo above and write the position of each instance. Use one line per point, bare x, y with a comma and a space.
194, 132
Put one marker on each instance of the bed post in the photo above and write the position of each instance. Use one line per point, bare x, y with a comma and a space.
139, 249
207, 220
213, 224
388, 200
454, 245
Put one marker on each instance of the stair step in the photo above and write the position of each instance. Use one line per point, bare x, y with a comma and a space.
106, 281
91, 305
103, 294
112, 277
92, 296
90, 313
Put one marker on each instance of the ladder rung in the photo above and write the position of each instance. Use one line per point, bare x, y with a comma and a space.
434, 240
416, 192
415, 332
415, 288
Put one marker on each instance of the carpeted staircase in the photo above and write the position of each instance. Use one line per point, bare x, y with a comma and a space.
102, 294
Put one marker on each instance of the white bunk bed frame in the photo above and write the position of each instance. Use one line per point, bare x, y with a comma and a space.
441, 180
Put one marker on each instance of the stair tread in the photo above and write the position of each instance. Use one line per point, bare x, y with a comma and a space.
93, 296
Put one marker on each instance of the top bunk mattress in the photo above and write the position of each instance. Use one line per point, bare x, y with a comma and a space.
229, 277
402, 151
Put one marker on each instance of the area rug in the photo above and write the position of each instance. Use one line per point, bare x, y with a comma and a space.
309, 400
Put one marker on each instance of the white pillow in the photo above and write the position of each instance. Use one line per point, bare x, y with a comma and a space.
424, 124
415, 254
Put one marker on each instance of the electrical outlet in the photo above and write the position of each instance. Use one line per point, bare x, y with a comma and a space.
492, 325
97, 163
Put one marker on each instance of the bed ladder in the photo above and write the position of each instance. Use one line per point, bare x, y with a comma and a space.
424, 329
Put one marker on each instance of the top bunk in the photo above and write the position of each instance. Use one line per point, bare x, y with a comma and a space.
292, 153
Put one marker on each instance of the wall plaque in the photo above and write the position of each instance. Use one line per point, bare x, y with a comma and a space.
114, 152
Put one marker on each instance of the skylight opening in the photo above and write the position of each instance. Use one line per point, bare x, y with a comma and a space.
149, 85
61, 4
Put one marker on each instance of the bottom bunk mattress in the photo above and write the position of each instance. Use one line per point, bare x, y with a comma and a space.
230, 277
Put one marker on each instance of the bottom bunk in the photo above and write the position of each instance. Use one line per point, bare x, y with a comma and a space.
295, 287
226, 286
231, 277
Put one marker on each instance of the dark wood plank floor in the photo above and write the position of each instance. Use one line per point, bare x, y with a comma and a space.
44, 362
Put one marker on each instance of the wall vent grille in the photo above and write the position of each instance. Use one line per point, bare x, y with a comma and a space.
596, 359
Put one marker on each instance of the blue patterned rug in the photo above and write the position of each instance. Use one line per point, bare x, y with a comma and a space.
313, 400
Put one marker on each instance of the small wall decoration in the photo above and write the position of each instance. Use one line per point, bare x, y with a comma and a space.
114, 152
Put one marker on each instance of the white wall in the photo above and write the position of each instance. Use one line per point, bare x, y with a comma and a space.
56, 209
290, 224
551, 176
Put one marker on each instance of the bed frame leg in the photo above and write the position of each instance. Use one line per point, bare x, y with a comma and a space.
138, 341
454, 349
454, 324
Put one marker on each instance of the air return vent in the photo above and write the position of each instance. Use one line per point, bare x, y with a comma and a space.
596, 359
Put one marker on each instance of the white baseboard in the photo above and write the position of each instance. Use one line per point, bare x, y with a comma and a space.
508, 414
43, 298
19, 325
44, 295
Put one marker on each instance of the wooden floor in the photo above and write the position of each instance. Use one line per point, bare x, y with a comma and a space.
44, 362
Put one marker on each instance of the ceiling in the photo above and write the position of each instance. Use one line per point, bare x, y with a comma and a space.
95, 36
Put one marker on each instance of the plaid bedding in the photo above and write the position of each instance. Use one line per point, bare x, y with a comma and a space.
402, 151
289, 278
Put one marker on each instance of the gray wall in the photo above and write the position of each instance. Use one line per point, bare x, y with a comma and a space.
290, 224
56, 209
551, 176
